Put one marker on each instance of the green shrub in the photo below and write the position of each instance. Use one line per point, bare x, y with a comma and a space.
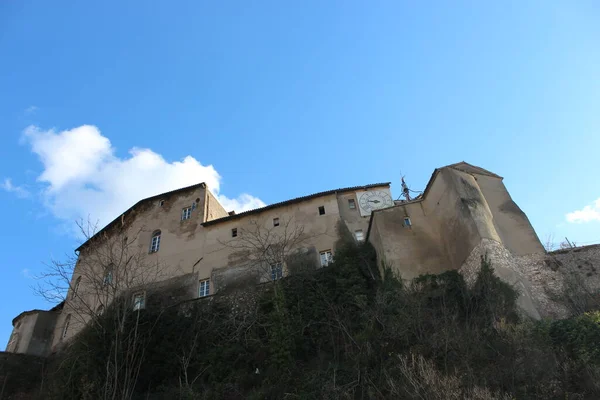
341, 332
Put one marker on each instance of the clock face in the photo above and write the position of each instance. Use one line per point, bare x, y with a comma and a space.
374, 200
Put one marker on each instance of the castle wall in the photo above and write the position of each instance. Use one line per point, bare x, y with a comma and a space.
226, 259
564, 282
181, 245
444, 228
22, 332
452, 226
466, 212
32, 333
510, 222
41, 339
351, 217
214, 209
191, 249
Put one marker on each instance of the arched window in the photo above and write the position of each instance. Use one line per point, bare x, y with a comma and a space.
66, 327
155, 243
76, 287
100, 310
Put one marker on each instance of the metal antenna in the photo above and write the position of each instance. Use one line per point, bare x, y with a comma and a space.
405, 190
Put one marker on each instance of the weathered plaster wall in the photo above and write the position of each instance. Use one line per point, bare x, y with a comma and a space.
187, 248
32, 333
181, 246
41, 339
352, 218
456, 208
214, 209
510, 222
181, 241
445, 227
22, 331
409, 250
228, 256
451, 227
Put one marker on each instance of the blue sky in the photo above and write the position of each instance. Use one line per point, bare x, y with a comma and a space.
102, 103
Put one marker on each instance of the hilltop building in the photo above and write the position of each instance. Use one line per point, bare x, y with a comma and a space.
186, 239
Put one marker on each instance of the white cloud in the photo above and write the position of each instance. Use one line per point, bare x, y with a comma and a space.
31, 109
243, 202
27, 273
84, 177
20, 191
586, 214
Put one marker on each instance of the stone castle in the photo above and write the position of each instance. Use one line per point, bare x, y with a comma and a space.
187, 239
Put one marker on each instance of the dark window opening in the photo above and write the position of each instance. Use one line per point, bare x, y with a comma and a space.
139, 301
234, 232
275, 221
66, 327
322, 210
276, 271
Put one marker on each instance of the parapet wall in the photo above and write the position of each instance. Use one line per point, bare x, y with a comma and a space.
564, 282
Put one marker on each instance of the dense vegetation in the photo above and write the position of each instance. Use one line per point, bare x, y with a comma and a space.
341, 332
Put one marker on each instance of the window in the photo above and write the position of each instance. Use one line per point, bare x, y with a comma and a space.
138, 301
359, 235
66, 326
155, 244
186, 213
234, 232
326, 258
407, 221
275, 221
108, 276
351, 204
100, 310
276, 271
204, 289
76, 287
322, 210
161, 203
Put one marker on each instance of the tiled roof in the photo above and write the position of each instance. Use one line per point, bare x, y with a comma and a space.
292, 201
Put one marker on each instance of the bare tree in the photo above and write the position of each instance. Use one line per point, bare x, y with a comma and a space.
271, 250
110, 274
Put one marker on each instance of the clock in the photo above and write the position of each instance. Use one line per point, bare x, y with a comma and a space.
374, 200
